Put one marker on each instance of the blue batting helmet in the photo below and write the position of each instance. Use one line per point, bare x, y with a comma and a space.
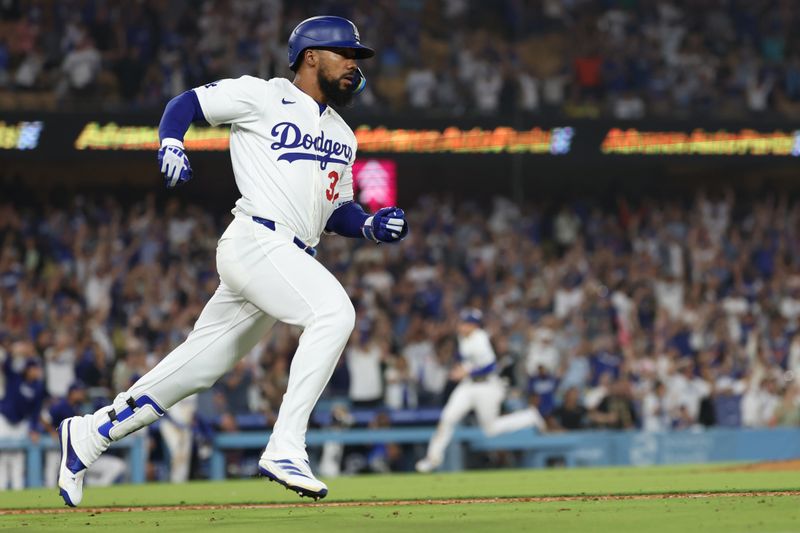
471, 316
325, 32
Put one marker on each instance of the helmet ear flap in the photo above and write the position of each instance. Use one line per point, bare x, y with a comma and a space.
359, 81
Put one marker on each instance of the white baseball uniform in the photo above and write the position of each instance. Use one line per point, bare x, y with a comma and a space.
292, 162
483, 391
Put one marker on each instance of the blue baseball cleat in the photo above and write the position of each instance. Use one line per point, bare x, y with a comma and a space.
71, 469
294, 474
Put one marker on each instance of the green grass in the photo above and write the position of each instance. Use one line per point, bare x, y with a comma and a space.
723, 514
480, 484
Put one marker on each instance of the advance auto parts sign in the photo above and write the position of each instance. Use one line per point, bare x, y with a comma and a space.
701, 142
131, 138
555, 141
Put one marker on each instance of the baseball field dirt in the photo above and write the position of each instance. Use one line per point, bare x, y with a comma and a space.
769, 466
763, 497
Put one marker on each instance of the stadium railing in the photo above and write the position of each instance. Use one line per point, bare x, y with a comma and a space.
135, 448
536, 448
576, 448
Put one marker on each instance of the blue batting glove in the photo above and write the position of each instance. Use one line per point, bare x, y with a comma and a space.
173, 163
388, 224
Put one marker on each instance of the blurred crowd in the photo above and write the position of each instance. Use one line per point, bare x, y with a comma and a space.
656, 314
631, 59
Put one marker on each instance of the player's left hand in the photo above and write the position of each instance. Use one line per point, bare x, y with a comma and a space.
388, 224
458, 372
173, 163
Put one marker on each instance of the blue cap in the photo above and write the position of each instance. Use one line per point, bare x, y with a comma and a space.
471, 315
31, 362
76, 385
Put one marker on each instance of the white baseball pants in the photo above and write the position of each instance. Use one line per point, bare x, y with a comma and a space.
176, 430
264, 277
12, 464
486, 398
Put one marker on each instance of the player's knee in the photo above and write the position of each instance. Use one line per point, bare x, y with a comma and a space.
205, 382
448, 420
490, 429
346, 318
341, 316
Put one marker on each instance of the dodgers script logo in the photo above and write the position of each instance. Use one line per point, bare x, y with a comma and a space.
325, 150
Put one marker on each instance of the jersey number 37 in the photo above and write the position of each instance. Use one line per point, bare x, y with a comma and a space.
331, 193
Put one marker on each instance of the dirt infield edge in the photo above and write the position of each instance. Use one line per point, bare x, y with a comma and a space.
789, 465
393, 503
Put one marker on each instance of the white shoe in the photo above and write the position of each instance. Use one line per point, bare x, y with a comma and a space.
294, 474
426, 466
71, 469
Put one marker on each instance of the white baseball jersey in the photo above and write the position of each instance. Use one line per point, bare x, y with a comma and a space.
476, 351
292, 164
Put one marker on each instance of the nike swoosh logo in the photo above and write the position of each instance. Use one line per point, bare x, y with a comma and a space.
284, 101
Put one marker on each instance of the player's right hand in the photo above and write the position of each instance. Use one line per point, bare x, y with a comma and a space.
173, 163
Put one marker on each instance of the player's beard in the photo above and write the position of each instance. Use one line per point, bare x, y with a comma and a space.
332, 89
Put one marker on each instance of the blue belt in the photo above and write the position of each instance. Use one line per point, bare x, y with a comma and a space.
484, 373
300, 244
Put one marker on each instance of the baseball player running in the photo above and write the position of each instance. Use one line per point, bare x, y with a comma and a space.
292, 157
480, 389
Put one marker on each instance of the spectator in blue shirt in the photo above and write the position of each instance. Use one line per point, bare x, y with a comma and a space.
544, 384
605, 360
58, 411
68, 406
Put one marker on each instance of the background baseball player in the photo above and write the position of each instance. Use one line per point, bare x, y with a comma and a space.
480, 389
176, 430
292, 158
22, 380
